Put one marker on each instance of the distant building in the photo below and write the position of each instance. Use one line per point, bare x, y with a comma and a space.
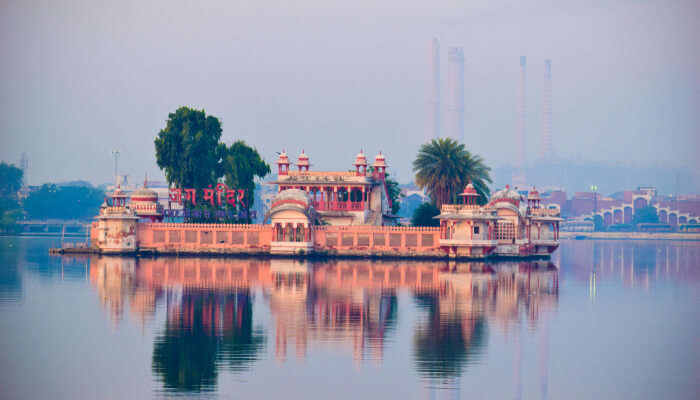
610, 211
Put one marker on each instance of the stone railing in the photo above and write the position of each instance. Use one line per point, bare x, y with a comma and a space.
456, 208
339, 205
322, 173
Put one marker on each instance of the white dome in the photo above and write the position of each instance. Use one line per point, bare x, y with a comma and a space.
292, 194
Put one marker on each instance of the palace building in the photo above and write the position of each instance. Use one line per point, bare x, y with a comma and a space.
358, 197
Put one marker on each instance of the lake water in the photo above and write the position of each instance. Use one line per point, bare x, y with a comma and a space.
603, 320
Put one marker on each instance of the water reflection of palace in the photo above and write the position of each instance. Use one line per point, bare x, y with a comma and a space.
114, 279
345, 304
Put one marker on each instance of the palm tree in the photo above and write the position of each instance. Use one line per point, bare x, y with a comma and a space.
443, 167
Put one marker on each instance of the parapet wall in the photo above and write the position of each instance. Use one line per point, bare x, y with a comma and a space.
378, 240
357, 240
203, 238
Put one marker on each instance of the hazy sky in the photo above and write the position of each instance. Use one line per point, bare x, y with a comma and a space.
81, 78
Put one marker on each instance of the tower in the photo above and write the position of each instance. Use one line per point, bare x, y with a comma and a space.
433, 126
518, 173
115, 154
24, 166
455, 93
546, 150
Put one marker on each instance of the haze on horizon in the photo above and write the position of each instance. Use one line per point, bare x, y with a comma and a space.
80, 79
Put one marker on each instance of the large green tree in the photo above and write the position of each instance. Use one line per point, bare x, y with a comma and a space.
190, 152
188, 149
443, 167
241, 165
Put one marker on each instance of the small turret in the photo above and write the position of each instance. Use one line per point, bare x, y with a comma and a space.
380, 165
533, 198
360, 164
469, 195
119, 197
303, 162
144, 203
283, 164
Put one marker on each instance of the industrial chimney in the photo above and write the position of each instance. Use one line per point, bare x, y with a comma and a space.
518, 173
455, 93
433, 126
547, 112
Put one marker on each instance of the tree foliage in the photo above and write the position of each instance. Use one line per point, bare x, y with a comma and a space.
444, 345
10, 180
188, 149
443, 167
241, 165
645, 215
10, 183
190, 153
423, 216
188, 360
63, 202
394, 191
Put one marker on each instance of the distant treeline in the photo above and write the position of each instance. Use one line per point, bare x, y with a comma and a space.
63, 202
50, 201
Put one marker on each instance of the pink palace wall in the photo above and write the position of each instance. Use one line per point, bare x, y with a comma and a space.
257, 238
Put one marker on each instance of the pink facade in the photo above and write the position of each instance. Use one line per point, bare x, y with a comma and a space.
225, 238
180, 237
396, 239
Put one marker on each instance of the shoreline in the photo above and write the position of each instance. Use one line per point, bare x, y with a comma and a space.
631, 236
322, 255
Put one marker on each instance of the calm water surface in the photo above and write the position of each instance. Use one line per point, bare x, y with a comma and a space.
603, 320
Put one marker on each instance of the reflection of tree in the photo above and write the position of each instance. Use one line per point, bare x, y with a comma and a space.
241, 345
444, 346
207, 331
381, 318
10, 280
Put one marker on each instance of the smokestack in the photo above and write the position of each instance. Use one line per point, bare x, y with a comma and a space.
433, 128
547, 112
24, 166
455, 93
519, 175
